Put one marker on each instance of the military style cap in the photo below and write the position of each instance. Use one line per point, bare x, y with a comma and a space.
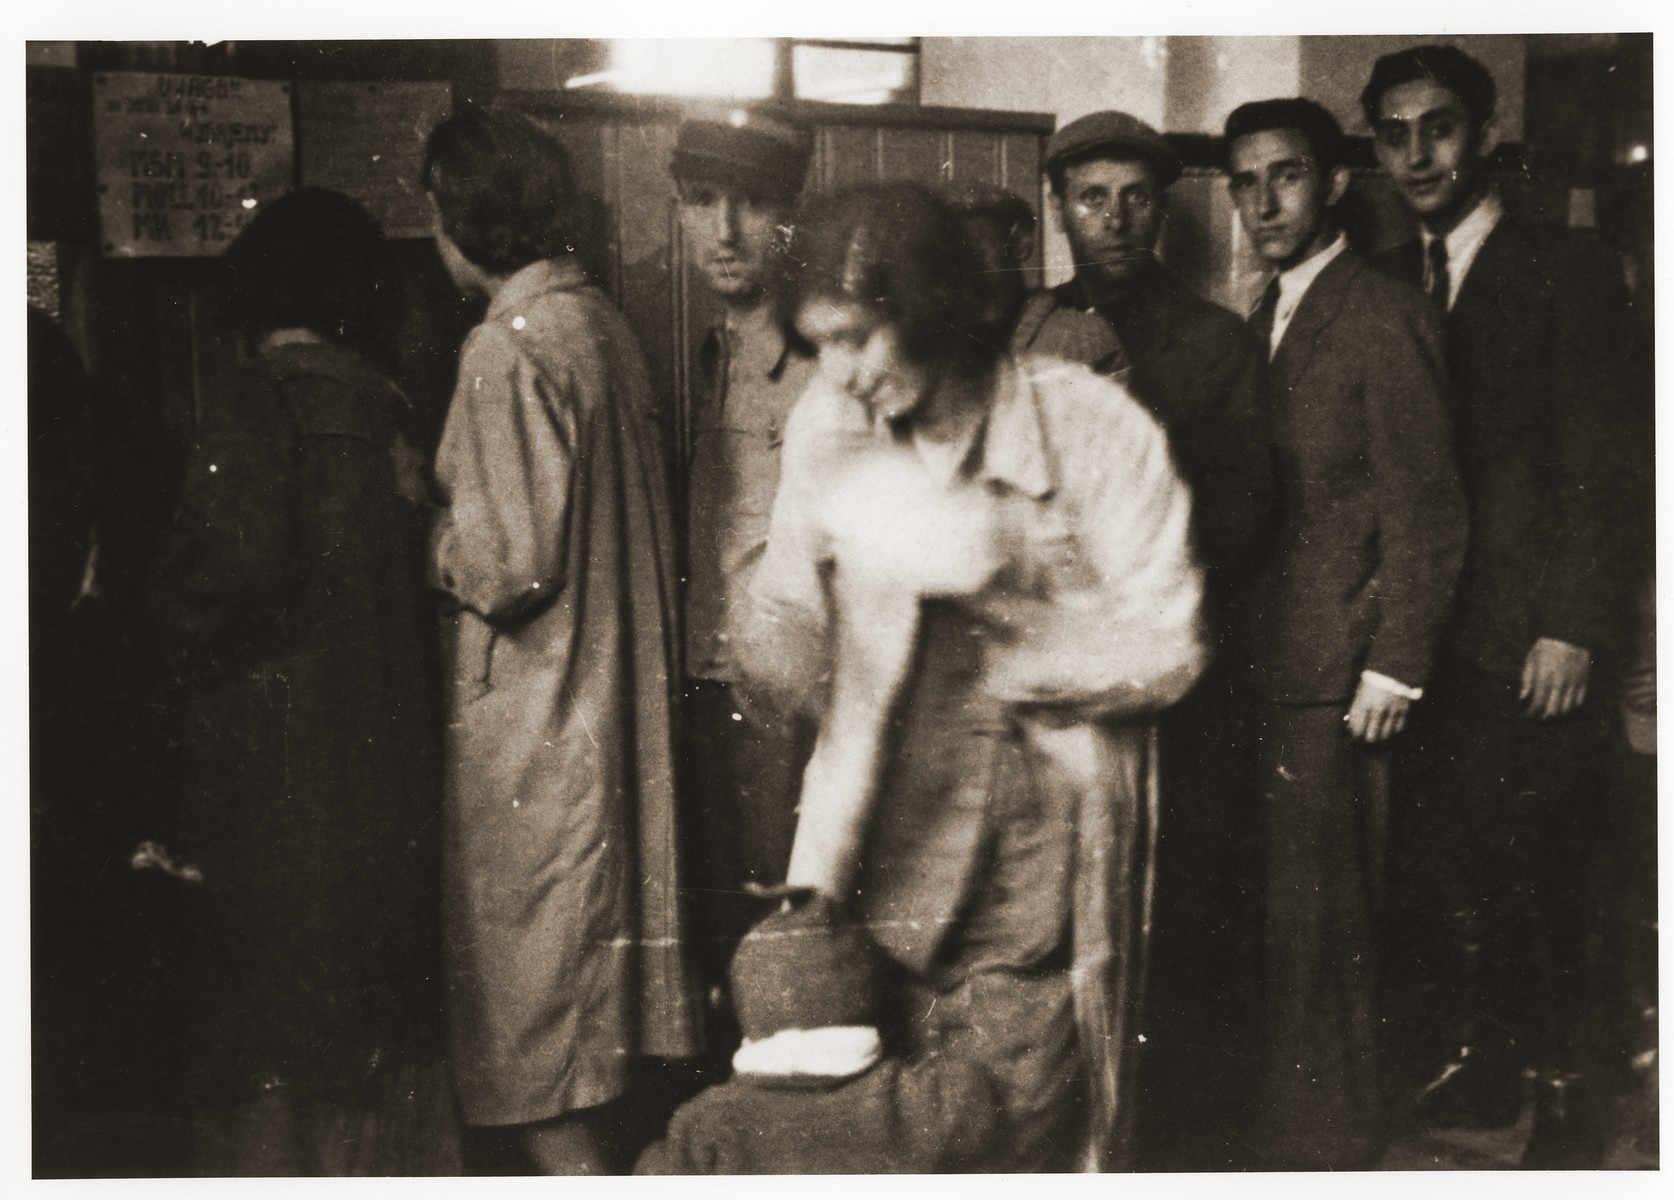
746, 149
1117, 132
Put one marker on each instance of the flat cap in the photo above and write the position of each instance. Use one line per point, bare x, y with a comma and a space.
1117, 132
750, 150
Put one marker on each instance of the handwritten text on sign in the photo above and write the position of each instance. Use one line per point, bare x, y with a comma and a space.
184, 161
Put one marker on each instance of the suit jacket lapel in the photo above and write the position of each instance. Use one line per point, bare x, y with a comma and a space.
1499, 251
1320, 306
1405, 262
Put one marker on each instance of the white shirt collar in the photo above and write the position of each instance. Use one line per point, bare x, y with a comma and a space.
1294, 284
1465, 241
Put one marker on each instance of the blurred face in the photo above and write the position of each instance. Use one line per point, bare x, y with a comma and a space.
1112, 213
731, 237
1424, 139
999, 252
862, 355
1283, 197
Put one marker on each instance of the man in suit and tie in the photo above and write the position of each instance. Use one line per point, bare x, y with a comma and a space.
1343, 620
1503, 796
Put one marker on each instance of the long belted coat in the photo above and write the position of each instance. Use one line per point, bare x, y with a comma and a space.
560, 914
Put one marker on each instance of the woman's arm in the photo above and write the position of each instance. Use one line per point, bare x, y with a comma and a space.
504, 466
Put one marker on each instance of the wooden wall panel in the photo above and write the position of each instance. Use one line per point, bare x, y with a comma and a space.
629, 239
847, 154
1020, 155
648, 246
1203, 243
621, 155
916, 154
976, 158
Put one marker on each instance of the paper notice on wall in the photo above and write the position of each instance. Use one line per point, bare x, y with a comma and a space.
366, 140
184, 161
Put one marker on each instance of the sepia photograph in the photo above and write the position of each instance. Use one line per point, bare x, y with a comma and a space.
772, 605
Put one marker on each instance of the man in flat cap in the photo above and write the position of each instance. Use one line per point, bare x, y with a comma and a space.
1193, 362
1196, 368
737, 177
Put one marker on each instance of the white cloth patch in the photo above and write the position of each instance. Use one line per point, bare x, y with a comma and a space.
834, 1052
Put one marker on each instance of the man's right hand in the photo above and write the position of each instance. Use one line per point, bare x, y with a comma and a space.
1554, 678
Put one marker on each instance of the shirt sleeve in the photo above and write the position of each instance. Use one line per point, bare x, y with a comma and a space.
505, 466
784, 639
1129, 641
230, 563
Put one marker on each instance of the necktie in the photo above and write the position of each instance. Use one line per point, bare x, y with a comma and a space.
1261, 320
1436, 283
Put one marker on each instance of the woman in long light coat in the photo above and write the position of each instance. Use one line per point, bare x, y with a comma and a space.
554, 545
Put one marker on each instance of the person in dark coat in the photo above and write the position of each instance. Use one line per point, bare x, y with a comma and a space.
1344, 620
1196, 368
291, 590
1539, 336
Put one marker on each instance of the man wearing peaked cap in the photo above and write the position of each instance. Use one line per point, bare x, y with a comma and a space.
753, 151
1198, 371
737, 176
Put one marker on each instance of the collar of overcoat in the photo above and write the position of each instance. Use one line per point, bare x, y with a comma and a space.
539, 277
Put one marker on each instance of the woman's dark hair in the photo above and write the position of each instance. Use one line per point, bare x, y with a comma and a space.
504, 188
316, 260
898, 250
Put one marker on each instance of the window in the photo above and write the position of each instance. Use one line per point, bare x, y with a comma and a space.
872, 71
856, 71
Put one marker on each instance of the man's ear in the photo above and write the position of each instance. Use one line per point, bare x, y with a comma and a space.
1020, 242
1339, 185
1055, 203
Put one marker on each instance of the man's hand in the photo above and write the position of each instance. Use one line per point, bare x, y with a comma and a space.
1376, 714
1554, 678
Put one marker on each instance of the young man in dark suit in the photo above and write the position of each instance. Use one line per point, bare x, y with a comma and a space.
1538, 346
1344, 619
